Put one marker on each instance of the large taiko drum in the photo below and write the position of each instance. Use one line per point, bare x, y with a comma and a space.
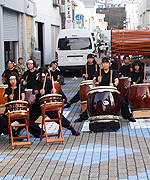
139, 96
85, 86
123, 86
29, 97
104, 100
2, 90
2, 101
57, 87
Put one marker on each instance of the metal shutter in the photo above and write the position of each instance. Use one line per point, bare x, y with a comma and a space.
10, 25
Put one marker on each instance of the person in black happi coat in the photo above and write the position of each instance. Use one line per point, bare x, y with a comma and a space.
104, 80
36, 111
11, 94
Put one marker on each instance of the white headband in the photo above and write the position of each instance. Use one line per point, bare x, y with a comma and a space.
12, 77
43, 74
30, 61
10, 62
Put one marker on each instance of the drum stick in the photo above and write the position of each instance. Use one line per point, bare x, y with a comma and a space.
145, 71
110, 76
86, 70
26, 78
100, 70
95, 67
12, 90
44, 81
49, 72
19, 91
53, 86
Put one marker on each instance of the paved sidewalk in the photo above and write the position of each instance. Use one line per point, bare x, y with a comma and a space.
121, 155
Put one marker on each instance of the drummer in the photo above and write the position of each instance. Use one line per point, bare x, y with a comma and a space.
137, 75
56, 75
126, 68
30, 75
10, 64
35, 111
91, 67
11, 94
104, 80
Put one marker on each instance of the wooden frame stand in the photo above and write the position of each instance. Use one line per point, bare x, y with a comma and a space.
52, 107
14, 116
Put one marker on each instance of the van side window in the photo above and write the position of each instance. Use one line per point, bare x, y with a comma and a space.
74, 44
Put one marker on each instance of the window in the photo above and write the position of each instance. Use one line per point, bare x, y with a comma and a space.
74, 43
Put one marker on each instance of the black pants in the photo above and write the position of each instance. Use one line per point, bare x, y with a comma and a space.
75, 98
3, 125
124, 110
63, 96
36, 111
34, 129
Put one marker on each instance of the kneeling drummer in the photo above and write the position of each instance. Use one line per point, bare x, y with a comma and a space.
104, 80
36, 111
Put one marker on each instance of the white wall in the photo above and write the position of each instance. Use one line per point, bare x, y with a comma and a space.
48, 15
80, 9
24, 6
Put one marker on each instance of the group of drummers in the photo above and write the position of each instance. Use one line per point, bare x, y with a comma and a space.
105, 77
42, 83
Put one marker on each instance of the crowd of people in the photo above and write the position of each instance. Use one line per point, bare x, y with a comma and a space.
34, 77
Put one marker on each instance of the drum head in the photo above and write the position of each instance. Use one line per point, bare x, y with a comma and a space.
4, 86
142, 84
123, 78
16, 102
28, 90
87, 82
103, 89
50, 95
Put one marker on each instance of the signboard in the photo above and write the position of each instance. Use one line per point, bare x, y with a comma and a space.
78, 17
68, 11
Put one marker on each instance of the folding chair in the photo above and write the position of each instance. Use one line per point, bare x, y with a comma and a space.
18, 110
53, 104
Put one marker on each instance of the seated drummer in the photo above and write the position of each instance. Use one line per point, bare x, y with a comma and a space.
137, 75
30, 75
126, 68
35, 111
92, 67
10, 64
12, 94
56, 75
104, 80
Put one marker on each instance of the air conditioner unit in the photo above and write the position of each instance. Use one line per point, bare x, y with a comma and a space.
62, 9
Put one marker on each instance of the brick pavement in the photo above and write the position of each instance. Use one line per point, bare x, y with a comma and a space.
121, 155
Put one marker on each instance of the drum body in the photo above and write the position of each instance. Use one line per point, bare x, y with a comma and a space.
104, 100
2, 90
29, 97
123, 86
139, 96
17, 109
57, 87
85, 86
51, 99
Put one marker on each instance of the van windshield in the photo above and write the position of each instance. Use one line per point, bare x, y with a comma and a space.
74, 43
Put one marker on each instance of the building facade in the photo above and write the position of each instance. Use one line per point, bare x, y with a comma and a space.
16, 30
144, 14
47, 26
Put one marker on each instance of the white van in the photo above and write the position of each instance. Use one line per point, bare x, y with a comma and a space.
72, 48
